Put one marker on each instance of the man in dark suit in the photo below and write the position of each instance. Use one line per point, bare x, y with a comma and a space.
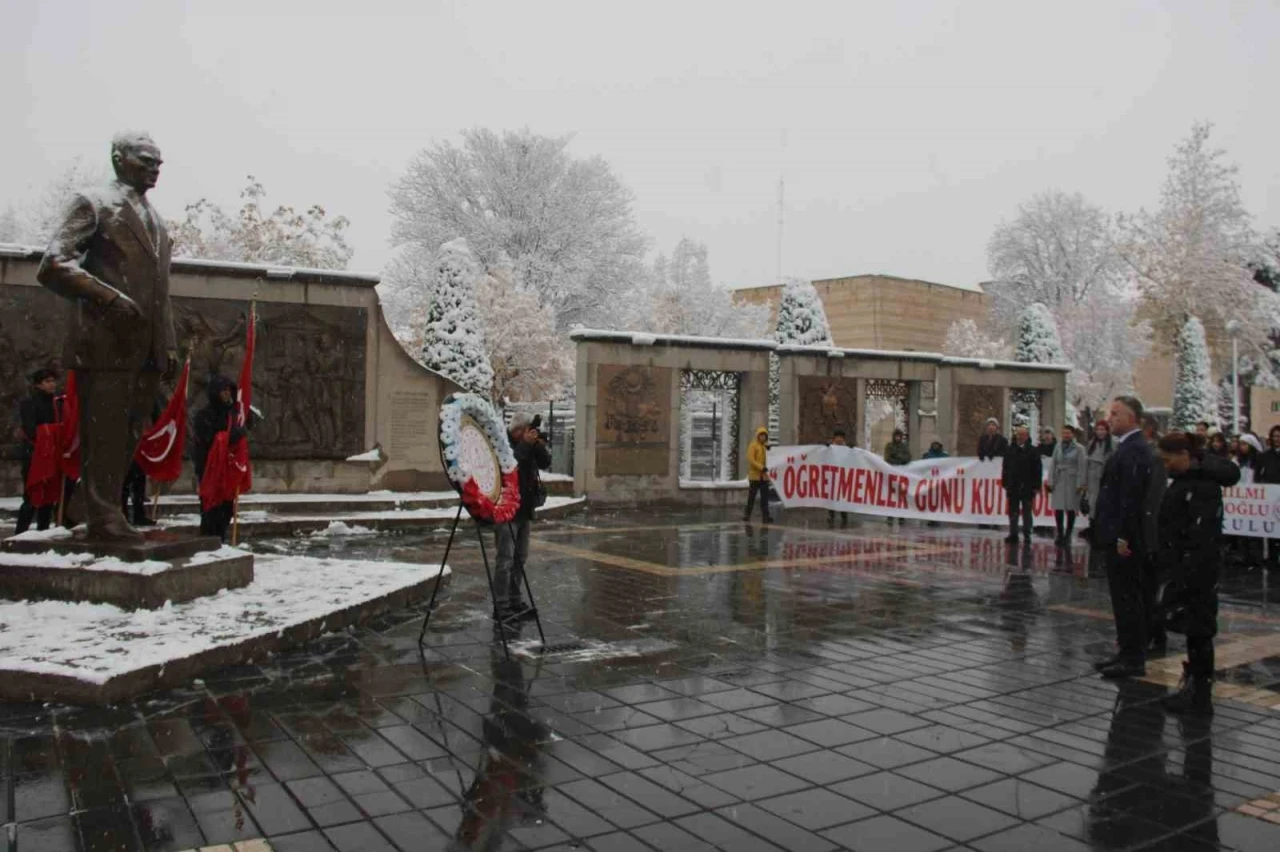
110, 259
1023, 476
1120, 530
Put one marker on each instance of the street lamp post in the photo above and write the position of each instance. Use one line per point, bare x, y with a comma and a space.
1233, 329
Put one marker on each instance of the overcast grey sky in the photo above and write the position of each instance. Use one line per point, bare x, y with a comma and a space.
906, 131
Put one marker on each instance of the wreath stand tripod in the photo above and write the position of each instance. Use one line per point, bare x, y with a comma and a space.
500, 621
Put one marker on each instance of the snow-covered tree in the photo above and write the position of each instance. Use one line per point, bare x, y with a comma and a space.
1061, 251
530, 359
564, 225
283, 237
802, 321
966, 340
405, 293
453, 339
1192, 255
680, 298
1102, 341
1058, 250
1038, 341
1195, 398
31, 221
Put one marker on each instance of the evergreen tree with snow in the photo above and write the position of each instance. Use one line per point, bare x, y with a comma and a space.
1195, 398
802, 321
1038, 343
453, 338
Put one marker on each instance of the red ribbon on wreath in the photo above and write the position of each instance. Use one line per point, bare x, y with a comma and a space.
480, 505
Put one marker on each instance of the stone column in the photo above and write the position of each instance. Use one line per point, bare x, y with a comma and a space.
913, 420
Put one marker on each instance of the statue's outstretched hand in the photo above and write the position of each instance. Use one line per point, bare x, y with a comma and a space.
123, 305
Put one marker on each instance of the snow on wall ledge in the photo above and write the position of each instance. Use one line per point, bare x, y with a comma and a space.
93, 645
637, 338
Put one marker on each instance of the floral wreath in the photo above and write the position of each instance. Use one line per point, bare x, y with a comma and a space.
478, 458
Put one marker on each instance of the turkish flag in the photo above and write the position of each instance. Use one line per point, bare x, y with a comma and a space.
45, 474
217, 486
238, 456
69, 429
159, 453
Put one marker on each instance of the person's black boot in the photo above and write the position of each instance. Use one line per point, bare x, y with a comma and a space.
1124, 668
1194, 696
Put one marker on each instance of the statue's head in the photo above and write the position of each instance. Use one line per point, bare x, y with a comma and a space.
136, 159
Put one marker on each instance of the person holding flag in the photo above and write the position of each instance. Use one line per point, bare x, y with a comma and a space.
219, 449
213, 435
159, 452
36, 411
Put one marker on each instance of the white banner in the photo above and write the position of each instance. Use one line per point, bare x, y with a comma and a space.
955, 490
850, 479
1251, 510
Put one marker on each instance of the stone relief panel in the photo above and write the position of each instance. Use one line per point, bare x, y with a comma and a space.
633, 420
309, 371
974, 404
827, 404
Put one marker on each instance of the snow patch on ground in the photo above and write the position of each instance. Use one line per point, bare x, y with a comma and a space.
51, 534
96, 642
341, 529
374, 455
556, 477
205, 557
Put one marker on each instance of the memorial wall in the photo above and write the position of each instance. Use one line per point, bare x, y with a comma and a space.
329, 378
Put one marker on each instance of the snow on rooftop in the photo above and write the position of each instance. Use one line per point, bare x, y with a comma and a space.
97, 642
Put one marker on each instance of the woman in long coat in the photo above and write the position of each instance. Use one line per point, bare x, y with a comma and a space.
1096, 456
1070, 468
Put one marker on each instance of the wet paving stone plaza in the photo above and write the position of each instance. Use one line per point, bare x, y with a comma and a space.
707, 685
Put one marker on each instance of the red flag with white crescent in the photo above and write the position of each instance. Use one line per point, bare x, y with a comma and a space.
69, 429
159, 452
239, 453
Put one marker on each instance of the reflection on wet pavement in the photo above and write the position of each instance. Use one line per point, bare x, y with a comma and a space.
712, 685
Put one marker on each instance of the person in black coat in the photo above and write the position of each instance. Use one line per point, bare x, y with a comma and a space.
215, 417
991, 444
1023, 476
532, 456
1120, 531
1266, 468
36, 410
1048, 442
1190, 558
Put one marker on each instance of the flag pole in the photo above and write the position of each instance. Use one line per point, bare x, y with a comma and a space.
235, 521
235, 504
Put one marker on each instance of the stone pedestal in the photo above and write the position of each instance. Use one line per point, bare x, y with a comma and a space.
144, 575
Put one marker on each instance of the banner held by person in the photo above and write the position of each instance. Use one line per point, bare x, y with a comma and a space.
850, 479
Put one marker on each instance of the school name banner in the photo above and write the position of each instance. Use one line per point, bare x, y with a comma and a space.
850, 479
1251, 510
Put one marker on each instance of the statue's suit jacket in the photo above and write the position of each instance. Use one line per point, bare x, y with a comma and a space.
103, 241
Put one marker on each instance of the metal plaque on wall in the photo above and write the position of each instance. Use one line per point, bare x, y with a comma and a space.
633, 420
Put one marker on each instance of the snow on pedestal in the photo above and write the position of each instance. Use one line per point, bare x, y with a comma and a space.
74, 647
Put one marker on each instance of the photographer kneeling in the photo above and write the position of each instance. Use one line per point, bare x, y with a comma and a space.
532, 455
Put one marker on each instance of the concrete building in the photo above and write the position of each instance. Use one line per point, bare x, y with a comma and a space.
884, 311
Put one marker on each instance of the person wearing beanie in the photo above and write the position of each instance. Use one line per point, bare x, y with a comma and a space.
991, 445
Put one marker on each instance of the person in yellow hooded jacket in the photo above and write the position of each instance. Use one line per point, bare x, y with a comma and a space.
757, 478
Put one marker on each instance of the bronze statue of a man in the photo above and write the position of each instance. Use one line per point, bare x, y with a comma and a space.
110, 258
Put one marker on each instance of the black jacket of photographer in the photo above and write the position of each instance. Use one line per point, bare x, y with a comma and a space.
530, 458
